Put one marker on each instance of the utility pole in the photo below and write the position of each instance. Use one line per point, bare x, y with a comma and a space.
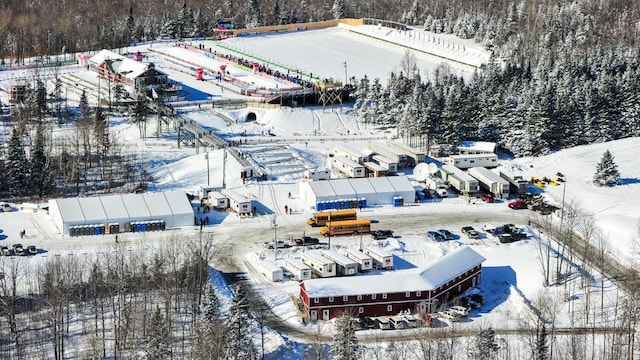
206, 156
345, 73
274, 226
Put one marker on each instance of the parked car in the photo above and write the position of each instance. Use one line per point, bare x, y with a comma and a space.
306, 240
368, 323
518, 204
381, 234
448, 235
449, 315
476, 298
279, 244
488, 198
6, 207
470, 232
461, 310
435, 236
491, 229
18, 249
5, 251
32, 250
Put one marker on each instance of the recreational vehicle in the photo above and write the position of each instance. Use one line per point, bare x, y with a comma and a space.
320, 265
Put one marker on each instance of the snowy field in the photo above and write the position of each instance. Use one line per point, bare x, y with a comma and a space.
512, 278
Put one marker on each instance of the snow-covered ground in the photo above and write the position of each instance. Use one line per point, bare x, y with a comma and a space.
512, 280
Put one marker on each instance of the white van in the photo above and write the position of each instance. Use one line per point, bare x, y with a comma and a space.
5, 207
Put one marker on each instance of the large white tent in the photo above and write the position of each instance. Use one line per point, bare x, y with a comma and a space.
377, 191
173, 208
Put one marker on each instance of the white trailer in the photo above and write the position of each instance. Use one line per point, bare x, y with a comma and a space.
319, 174
355, 155
216, 200
472, 160
204, 191
320, 265
365, 263
344, 265
381, 259
347, 167
385, 162
416, 155
237, 202
390, 153
299, 269
270, 270
491, 182
459, 180
433, 183
518, 184
375, 170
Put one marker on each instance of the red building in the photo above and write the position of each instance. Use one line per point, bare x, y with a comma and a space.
418, 290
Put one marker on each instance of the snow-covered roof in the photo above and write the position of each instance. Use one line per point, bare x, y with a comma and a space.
136, 207
120, 64
114, 208
427, 278
322, 188
70, 210
362, 186
343, 188
401, 184
179, 202
483, 146
157, 204
92, 210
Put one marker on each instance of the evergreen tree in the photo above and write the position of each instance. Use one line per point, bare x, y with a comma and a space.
606, 171
84, 104
40, 178
185, 21
210, 307
40, 100
158, 337
128, 35
210, 333
485, 346
139, 114
345, 343
118, 93
16, 166
254, 15
238, 343
339, 9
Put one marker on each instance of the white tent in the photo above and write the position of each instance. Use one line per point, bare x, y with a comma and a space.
343, 189
115, 210
384, 190
136, 207
65, 213
313, 192
180, 208
159, 208
92, 210
364, 189
403, 188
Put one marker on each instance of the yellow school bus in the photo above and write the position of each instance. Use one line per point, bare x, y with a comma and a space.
322, 218
346, 227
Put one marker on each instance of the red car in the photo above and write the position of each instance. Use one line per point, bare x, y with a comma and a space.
518, 204
487, 198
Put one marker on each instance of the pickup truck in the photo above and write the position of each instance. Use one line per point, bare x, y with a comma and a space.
306, 240
280, 244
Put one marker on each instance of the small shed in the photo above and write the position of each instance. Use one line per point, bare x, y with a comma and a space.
269, 269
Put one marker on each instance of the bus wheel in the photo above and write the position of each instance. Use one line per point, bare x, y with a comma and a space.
325, 235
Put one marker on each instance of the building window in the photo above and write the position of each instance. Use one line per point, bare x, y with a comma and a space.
345, 298
418, 293
389, 308
316, 300
330, 298
408, 294
373, 296
359, 297
360, 310
384, 296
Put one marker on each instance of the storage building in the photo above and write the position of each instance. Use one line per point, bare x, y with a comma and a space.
374, 170
299, 269
471, 160
390, 153
415, 155
365, 263
385, 163
359, 156
344, 265
345, 166
459, 180
320, 265
491, 182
